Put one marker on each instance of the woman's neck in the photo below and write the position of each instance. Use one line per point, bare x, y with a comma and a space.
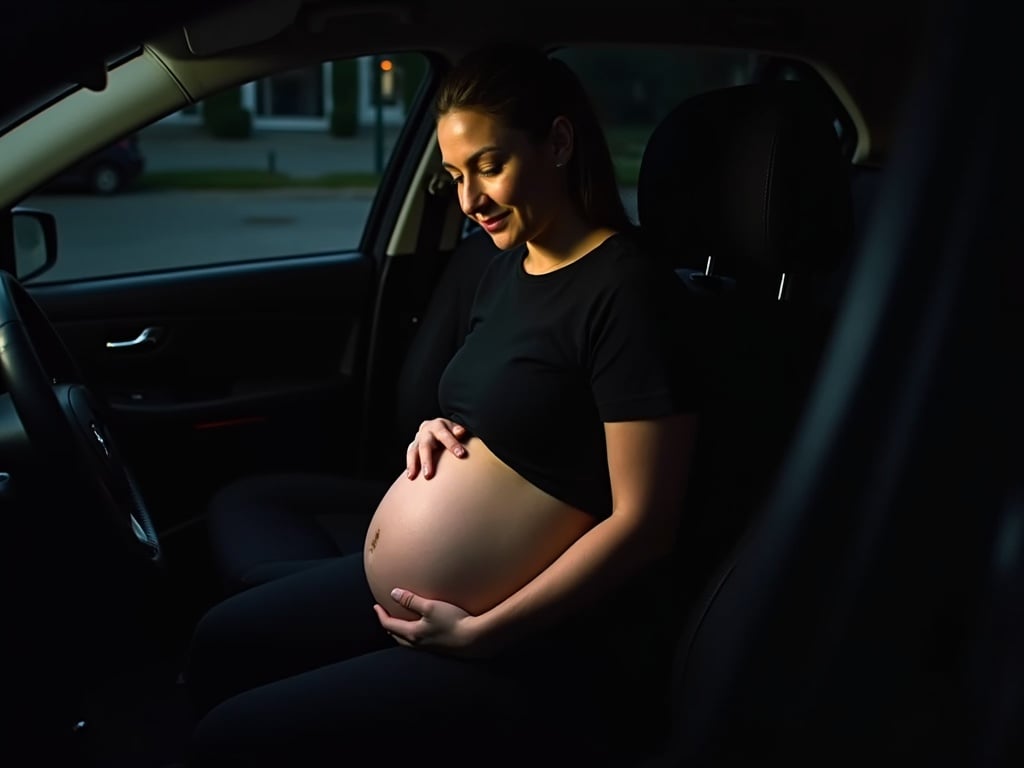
557, 249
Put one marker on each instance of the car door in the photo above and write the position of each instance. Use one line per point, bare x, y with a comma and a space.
222, 307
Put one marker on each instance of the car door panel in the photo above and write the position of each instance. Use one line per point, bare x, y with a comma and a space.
251, 367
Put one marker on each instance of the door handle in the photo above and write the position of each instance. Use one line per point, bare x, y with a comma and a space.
147, 337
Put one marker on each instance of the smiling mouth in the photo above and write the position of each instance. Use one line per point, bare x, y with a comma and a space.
494, 219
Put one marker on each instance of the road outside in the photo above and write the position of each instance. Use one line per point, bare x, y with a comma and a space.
144, 231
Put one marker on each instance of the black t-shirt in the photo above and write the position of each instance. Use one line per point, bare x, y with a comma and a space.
550, 358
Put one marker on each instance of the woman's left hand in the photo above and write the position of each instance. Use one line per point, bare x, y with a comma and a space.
441, 626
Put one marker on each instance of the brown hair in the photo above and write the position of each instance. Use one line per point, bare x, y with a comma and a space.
527, 89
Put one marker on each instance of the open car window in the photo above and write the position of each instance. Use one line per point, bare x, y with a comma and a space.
283, 166
631, 93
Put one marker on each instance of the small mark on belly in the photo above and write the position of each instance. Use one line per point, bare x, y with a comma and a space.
376, 537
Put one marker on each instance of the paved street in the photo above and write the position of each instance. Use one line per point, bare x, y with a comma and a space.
154, 230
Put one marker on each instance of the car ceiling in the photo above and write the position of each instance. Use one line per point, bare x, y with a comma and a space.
868, 57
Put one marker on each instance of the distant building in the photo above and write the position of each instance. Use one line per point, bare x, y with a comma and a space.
302, 99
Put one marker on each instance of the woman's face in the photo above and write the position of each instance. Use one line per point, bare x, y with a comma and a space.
506, 183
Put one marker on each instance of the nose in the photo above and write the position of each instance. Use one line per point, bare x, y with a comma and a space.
471, 198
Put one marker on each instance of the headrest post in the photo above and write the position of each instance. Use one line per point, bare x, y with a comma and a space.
701, 186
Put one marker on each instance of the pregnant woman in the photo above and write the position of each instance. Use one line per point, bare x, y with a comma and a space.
495, 613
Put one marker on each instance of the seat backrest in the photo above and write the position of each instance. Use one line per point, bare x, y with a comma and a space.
746, 190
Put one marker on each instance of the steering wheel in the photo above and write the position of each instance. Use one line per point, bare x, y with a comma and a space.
65, 426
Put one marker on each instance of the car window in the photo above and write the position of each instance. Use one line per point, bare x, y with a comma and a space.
282, 166
632, 93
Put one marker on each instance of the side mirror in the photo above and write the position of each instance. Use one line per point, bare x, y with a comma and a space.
35, 242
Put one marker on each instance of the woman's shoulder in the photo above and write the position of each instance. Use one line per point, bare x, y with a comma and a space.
625, 258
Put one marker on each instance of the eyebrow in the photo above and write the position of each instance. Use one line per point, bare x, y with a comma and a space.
471, 160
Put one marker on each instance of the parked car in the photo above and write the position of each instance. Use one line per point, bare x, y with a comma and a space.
851, 577
107, 172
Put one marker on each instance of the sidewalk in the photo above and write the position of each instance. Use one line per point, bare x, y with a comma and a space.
294, 153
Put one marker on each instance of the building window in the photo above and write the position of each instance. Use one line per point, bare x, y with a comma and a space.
297, 93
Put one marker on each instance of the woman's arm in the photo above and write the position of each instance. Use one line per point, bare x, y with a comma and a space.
648, 463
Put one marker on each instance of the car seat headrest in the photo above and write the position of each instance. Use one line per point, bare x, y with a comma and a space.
752, 176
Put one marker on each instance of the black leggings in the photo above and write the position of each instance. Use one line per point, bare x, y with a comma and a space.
299, 672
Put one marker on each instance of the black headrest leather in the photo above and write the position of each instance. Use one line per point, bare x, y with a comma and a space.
752, 175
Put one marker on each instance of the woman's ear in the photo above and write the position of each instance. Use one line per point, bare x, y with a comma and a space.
561, 141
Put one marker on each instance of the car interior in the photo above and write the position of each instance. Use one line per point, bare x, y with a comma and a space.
846, 581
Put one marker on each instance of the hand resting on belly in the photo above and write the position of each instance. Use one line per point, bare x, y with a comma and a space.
471, 534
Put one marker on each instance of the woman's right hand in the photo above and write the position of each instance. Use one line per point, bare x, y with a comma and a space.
443, 434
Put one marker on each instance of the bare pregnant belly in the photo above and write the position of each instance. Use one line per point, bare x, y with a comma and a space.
471, 535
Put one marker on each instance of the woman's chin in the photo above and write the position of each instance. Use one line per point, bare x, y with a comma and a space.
505, 240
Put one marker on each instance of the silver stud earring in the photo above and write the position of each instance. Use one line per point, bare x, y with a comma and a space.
559, 165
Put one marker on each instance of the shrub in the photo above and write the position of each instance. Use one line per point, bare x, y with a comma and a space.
345, 90
224, 116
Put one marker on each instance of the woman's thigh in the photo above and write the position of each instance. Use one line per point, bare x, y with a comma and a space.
275, 630
400, 705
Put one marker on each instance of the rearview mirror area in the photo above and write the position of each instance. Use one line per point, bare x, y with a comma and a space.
35, 242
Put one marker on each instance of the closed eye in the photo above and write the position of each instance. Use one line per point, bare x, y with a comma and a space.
488, 172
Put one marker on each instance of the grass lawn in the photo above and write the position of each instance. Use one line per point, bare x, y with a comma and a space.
627, 147
245, 179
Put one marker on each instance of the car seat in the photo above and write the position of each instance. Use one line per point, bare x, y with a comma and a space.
866, 615
264, 526
746, 191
